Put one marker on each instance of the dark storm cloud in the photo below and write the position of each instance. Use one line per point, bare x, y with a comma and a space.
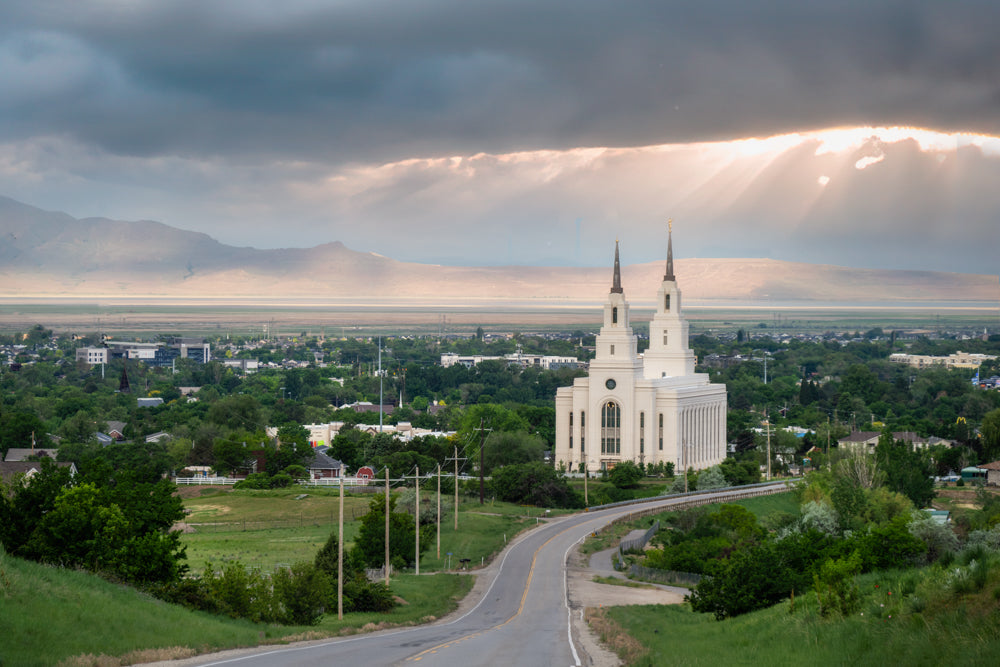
371, 81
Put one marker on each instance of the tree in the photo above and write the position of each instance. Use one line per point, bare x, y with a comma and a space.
907, 471
712, 478
229, 455
360, 594
370, 544
991, 435
510, 447
625, 475
533, 484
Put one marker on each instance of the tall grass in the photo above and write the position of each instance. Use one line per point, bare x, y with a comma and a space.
911, 617
48, 614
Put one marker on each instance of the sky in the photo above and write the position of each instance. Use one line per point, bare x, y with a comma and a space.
858, 133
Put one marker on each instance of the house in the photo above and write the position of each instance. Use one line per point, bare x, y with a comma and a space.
992, 473
159, 436
11, 471
24, 453
864, 440
324, 467
116, 430
149, 402
869, 439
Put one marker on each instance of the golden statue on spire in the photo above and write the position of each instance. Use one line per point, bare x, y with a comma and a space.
670, 224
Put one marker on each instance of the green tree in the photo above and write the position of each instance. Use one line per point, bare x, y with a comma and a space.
626, 475
510, 447
533, 484
370, 544
990, 430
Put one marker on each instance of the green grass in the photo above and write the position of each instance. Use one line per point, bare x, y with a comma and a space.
51, 615
48, 614
911, 618
778, 502
425, 598
267, 528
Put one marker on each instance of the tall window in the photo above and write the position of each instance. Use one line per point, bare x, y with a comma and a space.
611, 422
666, 303
642, 432
614, 315
664, 338
661, 431
612, 350
571, 430
583, 431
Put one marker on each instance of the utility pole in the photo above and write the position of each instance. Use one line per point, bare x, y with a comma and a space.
380, 408
586, 474
416, 514
439, 514
767, 422
387, 525
340, 553
456, 460
482, 449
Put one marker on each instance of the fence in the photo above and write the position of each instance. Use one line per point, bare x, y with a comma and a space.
330, 481
663, 576
249, 525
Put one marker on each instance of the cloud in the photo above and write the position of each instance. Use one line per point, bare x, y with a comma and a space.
378, 81
511, 132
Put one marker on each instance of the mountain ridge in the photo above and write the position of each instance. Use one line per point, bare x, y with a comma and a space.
49, 254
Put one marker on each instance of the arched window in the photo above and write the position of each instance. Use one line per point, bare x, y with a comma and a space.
614, 315
611, 431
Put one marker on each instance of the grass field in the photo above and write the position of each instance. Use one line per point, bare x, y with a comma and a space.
265, 529
949, 628
50, 615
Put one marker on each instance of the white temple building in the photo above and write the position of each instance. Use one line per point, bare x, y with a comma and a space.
646, 408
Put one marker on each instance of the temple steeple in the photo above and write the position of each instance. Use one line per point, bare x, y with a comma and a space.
669, 275
616, 281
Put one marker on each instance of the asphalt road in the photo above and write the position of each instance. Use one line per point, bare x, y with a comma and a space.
524, 617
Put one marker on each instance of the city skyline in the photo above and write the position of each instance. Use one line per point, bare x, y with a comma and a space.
517, 133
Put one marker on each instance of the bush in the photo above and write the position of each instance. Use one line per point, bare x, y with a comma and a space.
939, 538
303, 592
257, 480
360, 594
835, 586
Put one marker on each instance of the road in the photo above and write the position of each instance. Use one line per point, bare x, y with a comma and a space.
523, 618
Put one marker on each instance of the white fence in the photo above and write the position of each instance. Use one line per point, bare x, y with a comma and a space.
328, 481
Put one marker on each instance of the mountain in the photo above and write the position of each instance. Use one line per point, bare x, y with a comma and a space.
48, 255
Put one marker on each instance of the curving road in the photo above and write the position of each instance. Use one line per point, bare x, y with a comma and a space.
523, 618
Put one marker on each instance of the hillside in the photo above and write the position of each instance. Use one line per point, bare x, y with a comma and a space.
52, 255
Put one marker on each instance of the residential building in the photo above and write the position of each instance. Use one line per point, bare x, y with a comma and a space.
956, 360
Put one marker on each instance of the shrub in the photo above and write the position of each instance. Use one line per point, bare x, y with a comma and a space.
303, 592
835, 585
938, 537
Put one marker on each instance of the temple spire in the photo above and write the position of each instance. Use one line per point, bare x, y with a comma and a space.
616, 283
669, 275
